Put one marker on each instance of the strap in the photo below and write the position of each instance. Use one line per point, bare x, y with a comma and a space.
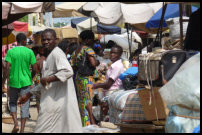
184, 116
161, 24
192, 109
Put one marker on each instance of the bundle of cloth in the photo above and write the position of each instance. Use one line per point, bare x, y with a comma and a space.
182, 95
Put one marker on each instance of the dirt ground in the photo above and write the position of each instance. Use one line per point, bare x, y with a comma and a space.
30, 124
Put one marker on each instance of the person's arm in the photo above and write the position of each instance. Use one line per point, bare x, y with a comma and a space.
46, 80
22, 99
6, 74
105, 85
93, 61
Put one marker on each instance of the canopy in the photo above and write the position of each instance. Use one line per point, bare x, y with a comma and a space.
84, 23
15, 10
68, 9
113, 13
172, 11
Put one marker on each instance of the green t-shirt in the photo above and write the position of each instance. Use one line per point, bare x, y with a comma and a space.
20, 59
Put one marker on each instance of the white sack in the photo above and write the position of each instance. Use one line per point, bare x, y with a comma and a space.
174, 26
184, 87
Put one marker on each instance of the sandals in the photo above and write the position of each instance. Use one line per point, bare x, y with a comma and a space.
15, 130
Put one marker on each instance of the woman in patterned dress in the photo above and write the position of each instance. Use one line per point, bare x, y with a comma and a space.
84, 84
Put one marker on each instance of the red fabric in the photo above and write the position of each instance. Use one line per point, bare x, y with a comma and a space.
20, 26
142, 34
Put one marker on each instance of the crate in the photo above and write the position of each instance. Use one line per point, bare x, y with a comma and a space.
149, 110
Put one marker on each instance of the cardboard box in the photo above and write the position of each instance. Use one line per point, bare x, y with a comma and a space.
149, 110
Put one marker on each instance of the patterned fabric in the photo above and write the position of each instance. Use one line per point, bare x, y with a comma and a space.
116, 102
114, 115
84, 86
133, 111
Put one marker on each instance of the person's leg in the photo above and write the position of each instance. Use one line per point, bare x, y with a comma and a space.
89, 99
13, 107
24, 109
89, 108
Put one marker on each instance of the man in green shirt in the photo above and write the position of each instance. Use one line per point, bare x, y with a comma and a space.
18, 61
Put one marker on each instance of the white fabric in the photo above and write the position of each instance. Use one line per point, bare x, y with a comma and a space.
5, 10
175, 124
85, 25
121, 40
114, 13
109, 13
36, 29
139, 13
174, 26
59, 112
23, 7
184, 87
68, 9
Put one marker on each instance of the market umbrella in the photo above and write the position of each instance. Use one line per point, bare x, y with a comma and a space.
113, 13
68, 9
13, 11
18, 27
172, 11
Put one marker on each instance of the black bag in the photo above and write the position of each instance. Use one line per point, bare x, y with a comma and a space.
130, 82
84, 67
160, 67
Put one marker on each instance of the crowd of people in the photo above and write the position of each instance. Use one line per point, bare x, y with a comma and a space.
62, 76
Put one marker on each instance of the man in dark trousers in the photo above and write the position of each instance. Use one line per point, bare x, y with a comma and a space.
18, 61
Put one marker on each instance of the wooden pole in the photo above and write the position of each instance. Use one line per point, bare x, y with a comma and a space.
47, 21
41, 18
181, 25
51, 20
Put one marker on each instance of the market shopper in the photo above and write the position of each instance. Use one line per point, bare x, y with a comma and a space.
18, 61
113, 83
85, 76
58, 112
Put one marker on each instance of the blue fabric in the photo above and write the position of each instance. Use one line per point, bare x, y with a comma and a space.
172, 11
197, 129
97, 46
100, 28
108, 29
76, 21
131, 71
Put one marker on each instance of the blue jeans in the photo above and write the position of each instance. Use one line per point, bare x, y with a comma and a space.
24, 110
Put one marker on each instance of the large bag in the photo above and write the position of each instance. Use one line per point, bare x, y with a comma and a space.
158, 67
84, 68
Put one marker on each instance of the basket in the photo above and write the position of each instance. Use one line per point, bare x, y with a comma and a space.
7, 120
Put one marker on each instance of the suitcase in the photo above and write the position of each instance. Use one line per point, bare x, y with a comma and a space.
158, 67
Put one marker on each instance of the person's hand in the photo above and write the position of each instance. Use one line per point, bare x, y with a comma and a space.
44, 81
23, 99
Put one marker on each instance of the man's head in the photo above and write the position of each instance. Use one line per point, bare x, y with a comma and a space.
87, 37
21, 39
48, 40
110, 43
115, 53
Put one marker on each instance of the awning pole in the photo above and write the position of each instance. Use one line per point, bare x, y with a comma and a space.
181, 25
